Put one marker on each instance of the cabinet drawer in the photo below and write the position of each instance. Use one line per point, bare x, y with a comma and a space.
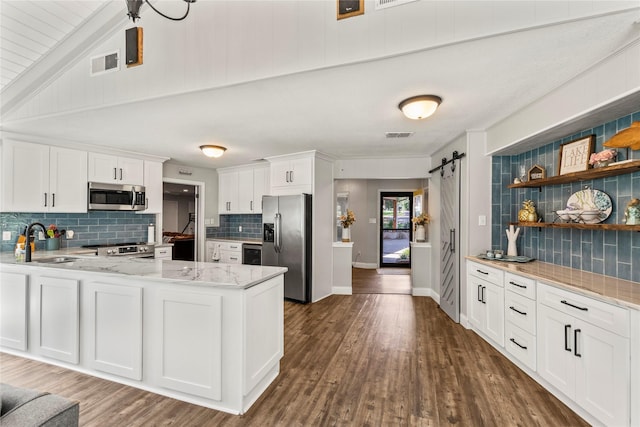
163, 253
520, 311
606, 316
521, 285
230, 257
490, 274
521, 344
226, 246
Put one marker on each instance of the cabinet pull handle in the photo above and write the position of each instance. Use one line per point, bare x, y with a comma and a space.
567, 328
45, 200
483, 288
518, 285
115, 173
482, 272
291, 176
251, 205
518, 344
575, 343
53, 200
120, 174
286, 176
233, 258
517, 311
479, 298
574, 306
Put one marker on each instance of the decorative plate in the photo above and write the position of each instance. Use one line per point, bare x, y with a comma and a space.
591, 200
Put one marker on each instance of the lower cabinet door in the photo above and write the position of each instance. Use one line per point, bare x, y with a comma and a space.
556, 362
602, 374
190, 347
58, 312
494, 326
115, 329
14, 310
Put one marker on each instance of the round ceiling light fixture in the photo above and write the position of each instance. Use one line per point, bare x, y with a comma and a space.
420, 107
214, 151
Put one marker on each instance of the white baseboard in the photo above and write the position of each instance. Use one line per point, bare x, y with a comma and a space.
341, 290
421, 292
369, 265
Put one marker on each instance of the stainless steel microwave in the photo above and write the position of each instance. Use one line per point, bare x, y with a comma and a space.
116, 197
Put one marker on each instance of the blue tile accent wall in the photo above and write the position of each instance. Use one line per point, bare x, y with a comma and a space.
612, 253
251, 227
96, 227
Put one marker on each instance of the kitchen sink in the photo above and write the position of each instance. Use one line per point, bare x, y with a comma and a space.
55, 260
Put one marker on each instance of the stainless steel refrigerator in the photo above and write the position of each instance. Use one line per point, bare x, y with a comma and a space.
286, 241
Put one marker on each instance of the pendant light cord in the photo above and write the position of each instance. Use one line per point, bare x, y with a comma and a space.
169, 17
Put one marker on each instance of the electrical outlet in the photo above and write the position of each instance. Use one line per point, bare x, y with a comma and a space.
240, 228
69, 234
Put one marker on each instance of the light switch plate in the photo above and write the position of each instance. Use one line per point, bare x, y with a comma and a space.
372, 221
482, 220
6, 235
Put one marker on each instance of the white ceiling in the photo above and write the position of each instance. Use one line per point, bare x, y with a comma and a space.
344, 110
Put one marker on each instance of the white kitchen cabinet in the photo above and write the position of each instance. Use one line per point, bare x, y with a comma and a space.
40, 178
114, 325
291, 175
114, 169
520, 319
486, 312
14, 310
163, 252
241, 189
228, 188
586, 362
153, 187
57, 314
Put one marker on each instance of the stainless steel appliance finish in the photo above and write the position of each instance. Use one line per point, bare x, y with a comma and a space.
286, 241
251, 254
132, 250
116, 197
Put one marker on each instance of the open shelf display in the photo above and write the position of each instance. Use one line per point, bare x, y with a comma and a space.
612, 170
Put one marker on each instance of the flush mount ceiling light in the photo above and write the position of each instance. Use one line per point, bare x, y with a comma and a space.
133, 9
420, 107
213, 150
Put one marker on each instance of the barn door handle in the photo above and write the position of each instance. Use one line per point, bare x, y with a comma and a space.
452, 236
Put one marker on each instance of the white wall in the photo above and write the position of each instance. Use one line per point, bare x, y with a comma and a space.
323, 202
398, 168
610, 80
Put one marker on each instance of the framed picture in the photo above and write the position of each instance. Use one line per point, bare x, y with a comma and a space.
574, 155
349, 8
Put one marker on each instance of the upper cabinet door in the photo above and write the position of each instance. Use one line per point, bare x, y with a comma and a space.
68, 185
260, 188
113, 169
153, 187
25, 177
245, 191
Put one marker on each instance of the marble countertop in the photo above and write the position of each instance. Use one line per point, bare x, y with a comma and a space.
605, 288
238, 276
235, 239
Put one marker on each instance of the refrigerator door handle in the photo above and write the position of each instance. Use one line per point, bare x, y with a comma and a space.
278, 237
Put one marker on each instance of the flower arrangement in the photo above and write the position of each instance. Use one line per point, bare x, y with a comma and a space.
421, 219
347, 219
605, 155
53, 232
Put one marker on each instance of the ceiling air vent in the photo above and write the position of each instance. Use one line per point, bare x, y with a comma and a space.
383, 4
398, 134
105, 63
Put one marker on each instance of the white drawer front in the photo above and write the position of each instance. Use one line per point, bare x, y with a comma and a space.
520, 311
226, 246
606, 316
490, 274
521, 344
521, 285
230, 257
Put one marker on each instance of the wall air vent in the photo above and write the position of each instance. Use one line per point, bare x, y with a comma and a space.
383, 4
105, 63
398, 134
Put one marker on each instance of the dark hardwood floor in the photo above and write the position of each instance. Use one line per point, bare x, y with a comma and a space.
360, 360
370, 281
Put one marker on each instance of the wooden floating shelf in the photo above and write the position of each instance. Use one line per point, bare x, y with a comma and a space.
613, 170
620, 227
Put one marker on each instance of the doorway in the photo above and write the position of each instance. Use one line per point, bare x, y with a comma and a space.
180, 219
395, 228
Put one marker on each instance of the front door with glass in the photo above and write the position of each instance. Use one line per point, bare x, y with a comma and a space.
395, 228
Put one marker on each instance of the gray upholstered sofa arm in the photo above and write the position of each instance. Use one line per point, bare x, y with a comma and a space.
22, 407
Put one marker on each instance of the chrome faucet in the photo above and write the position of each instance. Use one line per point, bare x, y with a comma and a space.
27, 245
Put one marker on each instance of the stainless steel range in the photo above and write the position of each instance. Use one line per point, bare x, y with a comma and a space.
132, 250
